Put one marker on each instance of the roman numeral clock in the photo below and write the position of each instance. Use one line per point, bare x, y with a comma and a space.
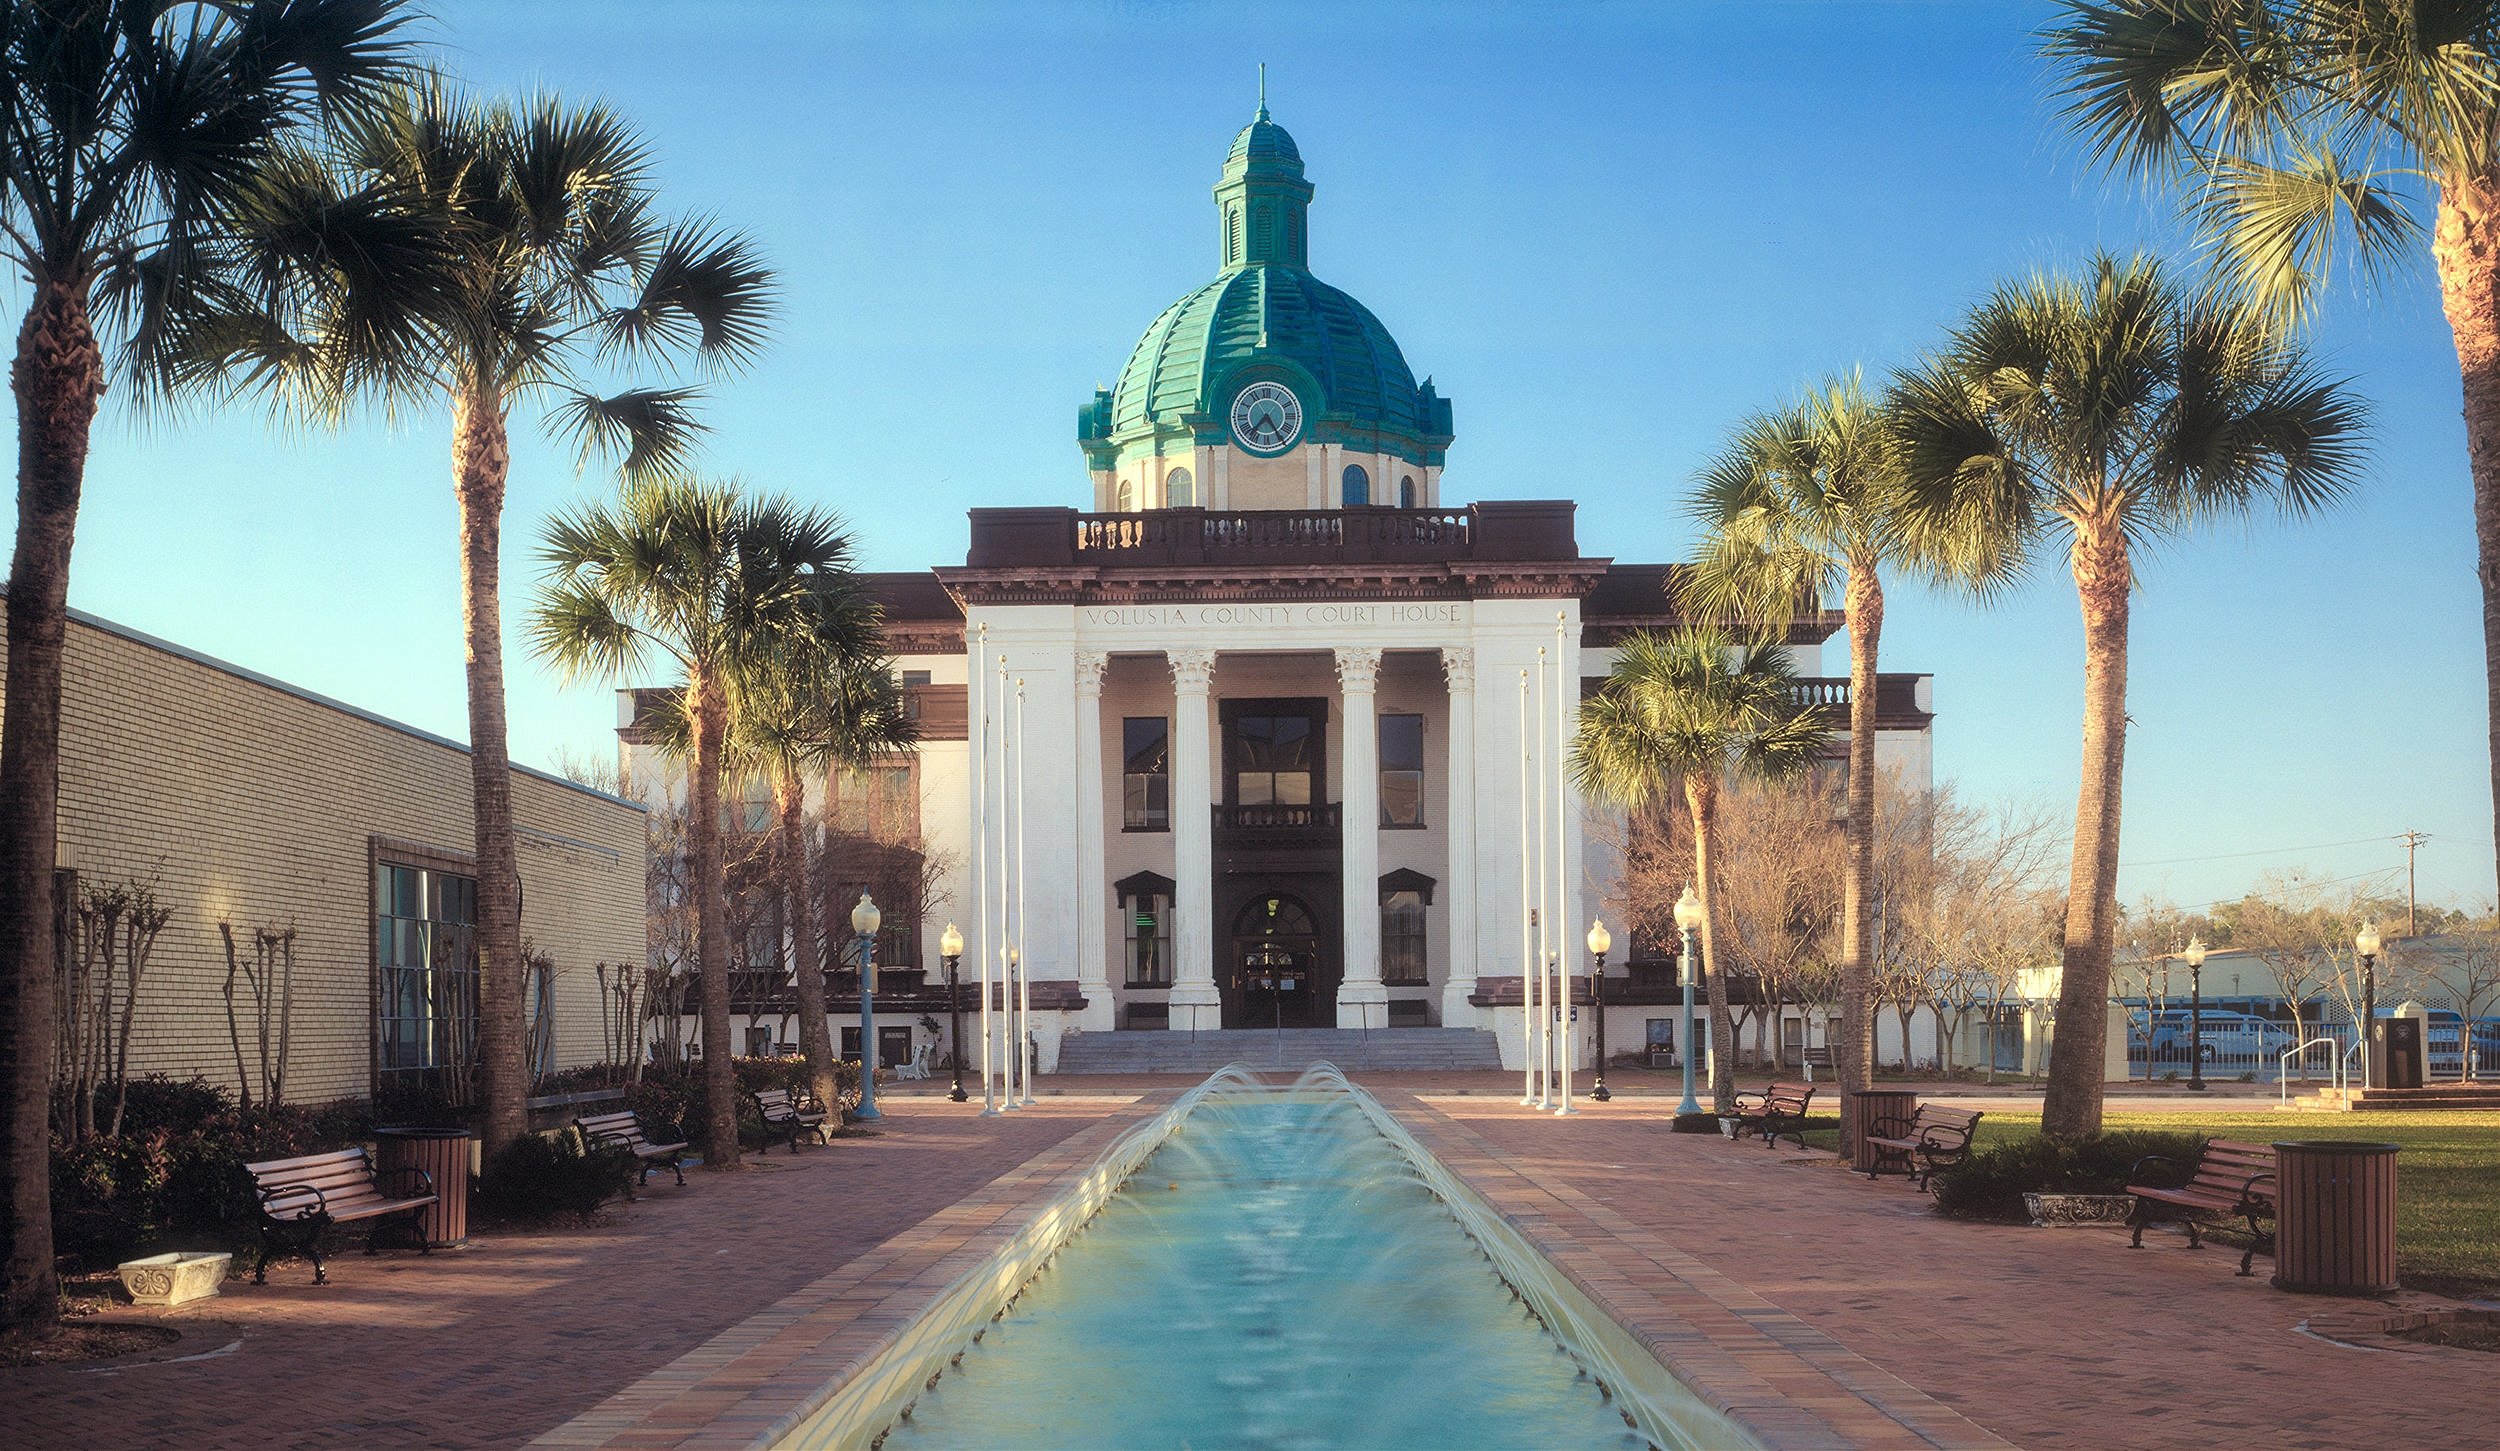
1266, 418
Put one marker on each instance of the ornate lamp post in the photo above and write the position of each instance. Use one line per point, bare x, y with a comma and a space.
1688, 918
864, 921
2194, 953
1600, 941
2366, 943
951, 947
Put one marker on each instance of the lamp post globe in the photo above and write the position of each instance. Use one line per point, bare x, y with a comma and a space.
1688, 915
1601, 942
865, 919
951, 948
2194, 954
2366, 943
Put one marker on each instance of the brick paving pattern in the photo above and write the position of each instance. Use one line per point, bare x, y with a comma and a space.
1866, 1319
2047, 1338
498, 1343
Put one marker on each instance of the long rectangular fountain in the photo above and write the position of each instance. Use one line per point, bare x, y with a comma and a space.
1265, 1267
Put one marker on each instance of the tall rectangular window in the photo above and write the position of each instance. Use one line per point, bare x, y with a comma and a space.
875, 801
425, 950
1401, 770
1272, 759
1146, 773
1149, 941
1402, 937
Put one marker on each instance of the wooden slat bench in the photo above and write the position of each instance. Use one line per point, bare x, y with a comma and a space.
2232, 1180
299, 1198
1777, 1112
624, 1131
787, 1116
1934, 1138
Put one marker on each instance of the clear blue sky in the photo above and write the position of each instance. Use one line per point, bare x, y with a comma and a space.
1606, 230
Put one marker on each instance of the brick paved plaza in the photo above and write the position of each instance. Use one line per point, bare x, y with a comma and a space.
1829, 1310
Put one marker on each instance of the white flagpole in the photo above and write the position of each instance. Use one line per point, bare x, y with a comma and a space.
1545, 905
1527, 915
1566, 686
1024, 970
981, 854
1008, 907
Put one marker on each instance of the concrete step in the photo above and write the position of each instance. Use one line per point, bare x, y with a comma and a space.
1450, 1050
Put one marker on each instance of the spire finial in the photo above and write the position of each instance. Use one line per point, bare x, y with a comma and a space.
1262, 90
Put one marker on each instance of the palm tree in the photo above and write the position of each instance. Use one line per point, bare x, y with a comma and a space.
557, 265
732, 587
818, 708
2299, 131
1803, 500
1697, 709
130, 132
2106, 410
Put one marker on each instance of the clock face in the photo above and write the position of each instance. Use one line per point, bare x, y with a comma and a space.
1266, 417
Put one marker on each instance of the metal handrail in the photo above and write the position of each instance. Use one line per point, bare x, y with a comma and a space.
2283, 1069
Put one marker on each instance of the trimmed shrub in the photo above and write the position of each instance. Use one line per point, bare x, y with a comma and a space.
670, 1099
1991, 1183
539, 1178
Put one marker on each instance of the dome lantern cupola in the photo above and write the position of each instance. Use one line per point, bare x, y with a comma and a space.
1263, 202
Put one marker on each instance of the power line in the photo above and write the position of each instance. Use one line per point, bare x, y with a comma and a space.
2329, 882
2266, 851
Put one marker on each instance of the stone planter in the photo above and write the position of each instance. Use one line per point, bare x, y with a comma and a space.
175, 1278
2050, 1211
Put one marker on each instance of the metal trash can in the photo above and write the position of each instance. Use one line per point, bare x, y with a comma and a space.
2335, 1217
1860, 1112
444, 1155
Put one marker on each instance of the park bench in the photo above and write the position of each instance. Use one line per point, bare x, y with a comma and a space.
1776, 1112
300, 1198
787, 1116
623, 1130
1933, 1138
2231, 1180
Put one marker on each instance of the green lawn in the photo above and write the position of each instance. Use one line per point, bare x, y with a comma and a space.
2447, 1177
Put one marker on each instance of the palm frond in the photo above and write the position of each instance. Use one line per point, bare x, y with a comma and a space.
650, 433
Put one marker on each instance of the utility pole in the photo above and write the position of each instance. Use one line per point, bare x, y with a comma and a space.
2412, 842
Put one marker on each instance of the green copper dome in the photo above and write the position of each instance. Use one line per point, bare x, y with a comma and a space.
1265, 318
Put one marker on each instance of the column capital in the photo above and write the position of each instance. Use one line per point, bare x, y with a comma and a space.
1358, 670
1193, 670
1458, 667
1089, 668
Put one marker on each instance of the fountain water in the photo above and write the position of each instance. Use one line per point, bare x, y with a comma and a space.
1266, 1267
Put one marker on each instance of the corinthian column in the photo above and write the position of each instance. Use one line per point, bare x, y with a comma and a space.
1458, 667
1361, 1001
1195, 1002
1093, 952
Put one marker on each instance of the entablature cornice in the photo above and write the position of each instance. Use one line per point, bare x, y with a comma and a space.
1541, 579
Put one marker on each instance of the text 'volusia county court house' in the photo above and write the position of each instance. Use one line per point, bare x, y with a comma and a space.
1246, 744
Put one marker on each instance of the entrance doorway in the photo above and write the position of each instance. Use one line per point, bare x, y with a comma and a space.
1275, 965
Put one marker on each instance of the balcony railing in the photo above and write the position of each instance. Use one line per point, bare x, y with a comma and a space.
1534, 529
1896, 696
1320, 816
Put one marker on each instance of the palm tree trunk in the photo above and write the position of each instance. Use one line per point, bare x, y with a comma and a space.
2466, 244
1701, 796
2072, 1105
1864, 602
481, 457
57, 378
711, 916
815, 1035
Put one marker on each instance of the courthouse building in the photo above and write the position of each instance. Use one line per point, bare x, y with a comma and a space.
1262, 733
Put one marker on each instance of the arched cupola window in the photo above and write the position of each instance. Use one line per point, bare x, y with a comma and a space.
1180, 491
1358, 485
1406, 493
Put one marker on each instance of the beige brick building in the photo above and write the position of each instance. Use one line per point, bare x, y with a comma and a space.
254, 802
